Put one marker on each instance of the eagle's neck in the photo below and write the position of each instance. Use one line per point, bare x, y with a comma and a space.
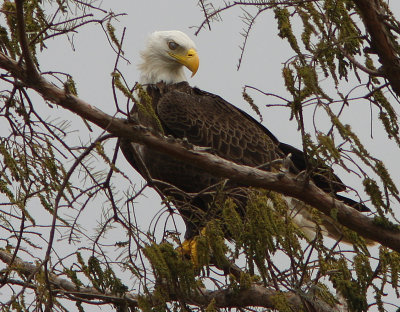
155, 69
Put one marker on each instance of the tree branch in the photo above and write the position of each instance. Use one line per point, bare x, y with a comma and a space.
255, 295
283, 183
60, 284
380, 40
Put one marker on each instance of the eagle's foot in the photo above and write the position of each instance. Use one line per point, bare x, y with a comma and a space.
189, 249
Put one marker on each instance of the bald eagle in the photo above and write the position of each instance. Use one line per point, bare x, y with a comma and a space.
207, 120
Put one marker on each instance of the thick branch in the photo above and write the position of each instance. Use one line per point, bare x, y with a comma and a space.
258, 296
286, 184
380, 39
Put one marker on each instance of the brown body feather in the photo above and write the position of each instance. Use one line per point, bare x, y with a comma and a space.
208, 120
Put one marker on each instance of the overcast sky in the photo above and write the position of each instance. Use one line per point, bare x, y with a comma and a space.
92, 62
219, 52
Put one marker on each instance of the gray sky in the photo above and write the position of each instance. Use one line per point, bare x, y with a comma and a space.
93, 61
219, 51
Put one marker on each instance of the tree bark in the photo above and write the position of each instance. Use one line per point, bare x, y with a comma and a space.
380, 40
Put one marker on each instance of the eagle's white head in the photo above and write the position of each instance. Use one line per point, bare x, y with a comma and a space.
165, 55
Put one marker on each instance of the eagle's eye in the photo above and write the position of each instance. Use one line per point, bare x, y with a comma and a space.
173, 45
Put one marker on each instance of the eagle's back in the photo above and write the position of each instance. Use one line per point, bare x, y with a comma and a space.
207, 120
204, 120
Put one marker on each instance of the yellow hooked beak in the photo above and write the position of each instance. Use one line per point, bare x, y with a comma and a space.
190, 60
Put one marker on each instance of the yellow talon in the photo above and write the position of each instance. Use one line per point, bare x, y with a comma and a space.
189, 248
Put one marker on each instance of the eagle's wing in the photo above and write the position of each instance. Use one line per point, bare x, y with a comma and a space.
208, 120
